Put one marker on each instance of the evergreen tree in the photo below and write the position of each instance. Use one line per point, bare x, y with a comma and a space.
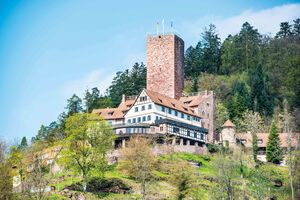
274, 151
74, 105
296, 27
195, 85
211, 58
262, 100
285, 30
193, 60
23, 143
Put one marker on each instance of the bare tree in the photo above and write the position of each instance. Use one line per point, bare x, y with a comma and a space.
252, 123
291, 153
138, 160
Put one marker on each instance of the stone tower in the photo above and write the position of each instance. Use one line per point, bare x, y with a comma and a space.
228, 133
165, 73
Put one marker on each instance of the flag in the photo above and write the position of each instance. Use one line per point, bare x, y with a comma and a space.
157, 25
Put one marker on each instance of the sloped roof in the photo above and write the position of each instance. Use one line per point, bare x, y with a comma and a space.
265, 137
115, 113
228, 123
192, 100
170, 103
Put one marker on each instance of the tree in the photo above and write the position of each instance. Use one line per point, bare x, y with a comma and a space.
273, 150
138, 160
252, 123
88, 139
211, 57
261, 97
221, 116
296, 27
285, 30
74, 105
5, 173
180, 176
23, 143
127, 82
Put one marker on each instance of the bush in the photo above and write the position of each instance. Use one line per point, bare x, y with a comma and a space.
112, 185
212, 148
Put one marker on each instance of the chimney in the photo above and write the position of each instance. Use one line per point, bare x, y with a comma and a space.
123, 97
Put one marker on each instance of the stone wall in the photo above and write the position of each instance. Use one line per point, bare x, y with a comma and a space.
165, 65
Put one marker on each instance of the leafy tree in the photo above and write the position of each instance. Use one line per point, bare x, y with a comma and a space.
138, 160
285, 30
273, 150
88, 139
6, 173
74, 105
221, 116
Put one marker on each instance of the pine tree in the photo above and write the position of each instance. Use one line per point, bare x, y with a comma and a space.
274, 151
23, 143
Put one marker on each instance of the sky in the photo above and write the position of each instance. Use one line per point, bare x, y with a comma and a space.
52, 49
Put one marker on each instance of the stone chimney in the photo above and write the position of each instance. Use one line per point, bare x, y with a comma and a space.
123, 97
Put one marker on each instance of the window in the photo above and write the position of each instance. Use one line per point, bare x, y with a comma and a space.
207, 115
188, 117
134, 120
149, 107
152, 129
110, 123
120, 132
139, 120
129, 121
207, 104
144, 118
173, 104
175, 113
170, 111
149, 117
175, 130
195, 135
143, 108
136, 109
160, 100
110, 114
202, 137
188, 133
243, 141
156, 118
203, 113
182, 115
259, 141
161, 128
163, 109
160, 118
127, 130
143, 98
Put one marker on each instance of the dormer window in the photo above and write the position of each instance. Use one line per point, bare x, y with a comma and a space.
160, 100
185, 109
259, 141
110, 114
173, 104
128, 106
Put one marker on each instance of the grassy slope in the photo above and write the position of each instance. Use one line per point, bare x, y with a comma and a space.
161, 189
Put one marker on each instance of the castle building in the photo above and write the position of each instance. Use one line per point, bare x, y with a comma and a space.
162, 108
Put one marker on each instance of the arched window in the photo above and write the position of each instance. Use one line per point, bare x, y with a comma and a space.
120, 132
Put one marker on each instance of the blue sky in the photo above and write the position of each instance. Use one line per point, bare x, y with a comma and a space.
51, 49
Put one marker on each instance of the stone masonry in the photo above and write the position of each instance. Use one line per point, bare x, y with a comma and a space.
165, 65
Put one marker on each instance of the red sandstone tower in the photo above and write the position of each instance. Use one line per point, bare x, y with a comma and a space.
165, 57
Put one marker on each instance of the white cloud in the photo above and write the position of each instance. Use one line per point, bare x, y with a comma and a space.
266, 21
97, 78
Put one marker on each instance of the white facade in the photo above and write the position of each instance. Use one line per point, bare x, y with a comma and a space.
145, 110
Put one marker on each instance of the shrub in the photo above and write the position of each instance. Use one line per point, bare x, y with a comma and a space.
212, 148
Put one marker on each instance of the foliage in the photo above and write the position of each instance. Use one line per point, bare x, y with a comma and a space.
6, 173
222, 116
89, 138
138, 160
212, 148
96, 101
273, 150
127, 82
74, 105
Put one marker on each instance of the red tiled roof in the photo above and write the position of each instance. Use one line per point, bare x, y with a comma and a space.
228, 123
115, 113
192, 100
170, 103
265, 137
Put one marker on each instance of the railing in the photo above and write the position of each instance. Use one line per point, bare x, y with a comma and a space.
198, 93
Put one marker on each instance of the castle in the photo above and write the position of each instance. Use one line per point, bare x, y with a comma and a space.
162, 108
